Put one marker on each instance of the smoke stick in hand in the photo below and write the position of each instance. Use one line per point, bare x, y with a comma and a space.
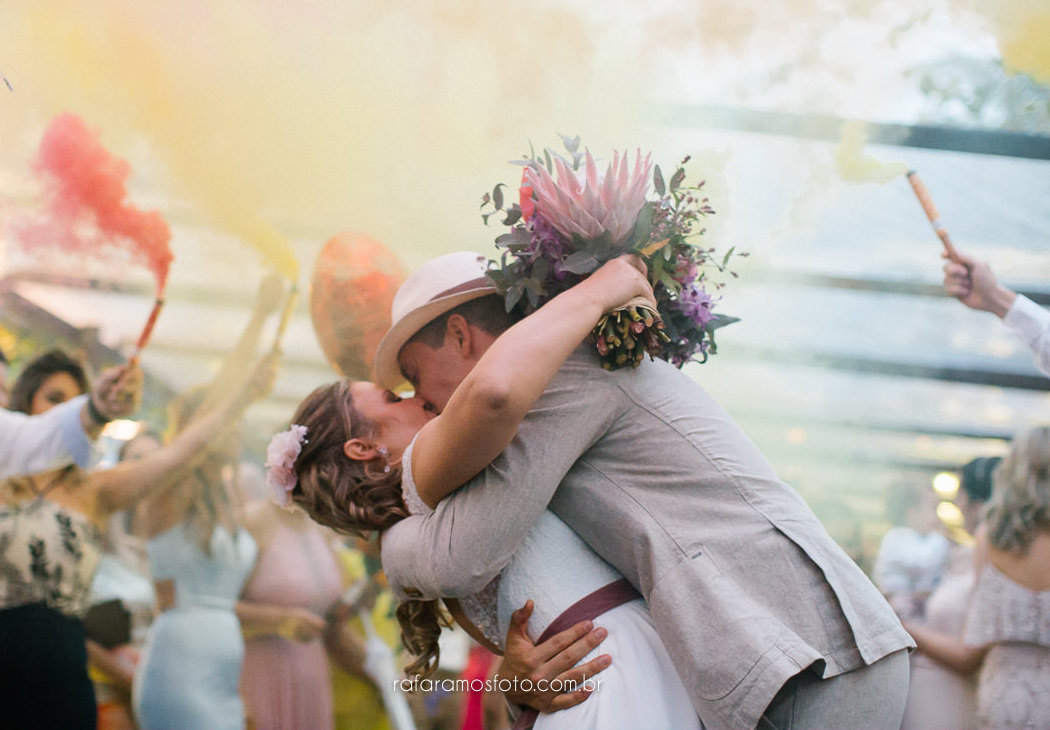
931, 213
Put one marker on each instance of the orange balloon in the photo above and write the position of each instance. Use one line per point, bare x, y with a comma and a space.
352, 288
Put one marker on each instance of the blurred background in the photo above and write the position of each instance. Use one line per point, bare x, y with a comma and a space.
260, 131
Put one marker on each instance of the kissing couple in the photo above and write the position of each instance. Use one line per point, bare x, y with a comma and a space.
609, 530
627, 500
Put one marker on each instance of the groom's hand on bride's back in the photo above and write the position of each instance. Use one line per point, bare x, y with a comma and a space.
536, 666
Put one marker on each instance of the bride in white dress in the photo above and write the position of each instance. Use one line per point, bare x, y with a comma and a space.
556, 569
340, 463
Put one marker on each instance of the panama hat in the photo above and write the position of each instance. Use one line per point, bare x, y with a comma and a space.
436, 287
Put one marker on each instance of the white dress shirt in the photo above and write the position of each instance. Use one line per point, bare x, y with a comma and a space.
30, 444
1031, 323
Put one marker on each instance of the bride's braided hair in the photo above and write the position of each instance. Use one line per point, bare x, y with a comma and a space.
356, 498
352, 497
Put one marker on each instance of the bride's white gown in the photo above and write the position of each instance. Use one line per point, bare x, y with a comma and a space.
555, 568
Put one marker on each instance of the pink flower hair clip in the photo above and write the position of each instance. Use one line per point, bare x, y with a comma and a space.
281, 454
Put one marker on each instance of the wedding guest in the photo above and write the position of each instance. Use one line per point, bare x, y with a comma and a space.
483, 708
357, 702
974, 284
53, 524
942, 692
913, 554
200, 556
122, 581
1007, 633
1008, 625
63, 435
284, 609
47, 380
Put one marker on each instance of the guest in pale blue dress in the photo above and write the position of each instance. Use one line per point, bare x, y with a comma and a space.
200, 558
190, 671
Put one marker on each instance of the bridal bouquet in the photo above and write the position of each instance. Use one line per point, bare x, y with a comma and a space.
561, 231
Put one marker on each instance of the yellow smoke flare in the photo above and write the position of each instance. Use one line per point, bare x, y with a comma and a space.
855, 166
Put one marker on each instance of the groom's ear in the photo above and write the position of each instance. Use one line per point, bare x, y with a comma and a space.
458, 334
360, 450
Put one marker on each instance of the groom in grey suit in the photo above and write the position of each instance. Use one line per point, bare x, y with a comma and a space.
768, 622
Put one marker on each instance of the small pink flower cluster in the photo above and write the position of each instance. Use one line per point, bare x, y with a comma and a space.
281, 454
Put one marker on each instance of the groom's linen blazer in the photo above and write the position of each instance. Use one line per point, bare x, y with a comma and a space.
745, 586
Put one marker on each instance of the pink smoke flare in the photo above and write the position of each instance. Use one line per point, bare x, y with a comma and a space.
89, 211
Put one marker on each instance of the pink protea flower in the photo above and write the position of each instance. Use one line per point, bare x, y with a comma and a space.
590, 205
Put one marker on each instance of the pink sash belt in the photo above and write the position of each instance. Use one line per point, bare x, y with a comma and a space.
587, 608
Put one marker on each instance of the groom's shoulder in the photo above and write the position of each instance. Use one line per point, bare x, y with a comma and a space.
652, 379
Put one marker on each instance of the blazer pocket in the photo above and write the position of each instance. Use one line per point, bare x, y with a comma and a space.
712, 629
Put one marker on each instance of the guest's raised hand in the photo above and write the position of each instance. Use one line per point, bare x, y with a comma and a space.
536, 666
263, 377
118, 392
974, 284
271, 294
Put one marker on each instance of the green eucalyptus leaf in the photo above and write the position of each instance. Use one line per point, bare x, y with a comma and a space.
581, 262
719, 321
668, 281
643, 226
514, 296
533, 289
658, 181
513, 216
541, 269
571, 143
497, 196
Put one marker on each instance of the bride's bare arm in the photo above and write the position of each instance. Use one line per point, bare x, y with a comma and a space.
484, 412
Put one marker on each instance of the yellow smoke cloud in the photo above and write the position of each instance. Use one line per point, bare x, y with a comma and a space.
291, 121
854, 165
283, 122
1023, 32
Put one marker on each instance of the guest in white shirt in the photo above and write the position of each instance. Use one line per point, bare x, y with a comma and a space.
913, 554
63, 435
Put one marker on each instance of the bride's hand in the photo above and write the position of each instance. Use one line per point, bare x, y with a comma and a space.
532, 668
619, 281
